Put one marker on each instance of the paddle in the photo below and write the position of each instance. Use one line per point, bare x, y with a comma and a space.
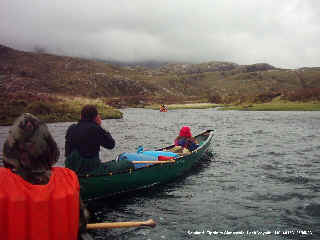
149, 223
155, 162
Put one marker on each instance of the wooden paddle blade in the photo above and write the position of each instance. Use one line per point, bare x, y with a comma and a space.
149, 223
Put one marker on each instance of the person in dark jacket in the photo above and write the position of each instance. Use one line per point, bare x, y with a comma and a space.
83, 142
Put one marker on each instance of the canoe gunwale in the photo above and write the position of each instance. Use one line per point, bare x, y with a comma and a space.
177, 159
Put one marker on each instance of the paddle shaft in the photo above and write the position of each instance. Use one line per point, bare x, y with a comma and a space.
155, 162
149, 223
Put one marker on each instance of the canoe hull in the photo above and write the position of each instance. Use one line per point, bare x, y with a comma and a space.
106, 185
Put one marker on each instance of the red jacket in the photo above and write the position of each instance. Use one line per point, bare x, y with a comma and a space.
32, 212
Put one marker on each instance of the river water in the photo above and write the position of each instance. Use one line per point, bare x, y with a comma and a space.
260, 179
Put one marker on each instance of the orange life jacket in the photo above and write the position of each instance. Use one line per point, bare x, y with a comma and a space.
32, 212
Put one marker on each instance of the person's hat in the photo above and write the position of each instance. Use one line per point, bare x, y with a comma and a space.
29, 149
185, 132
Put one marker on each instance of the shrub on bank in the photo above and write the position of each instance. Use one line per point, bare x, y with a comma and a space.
303, 95
62, 110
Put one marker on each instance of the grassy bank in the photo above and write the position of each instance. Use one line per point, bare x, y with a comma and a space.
276, 106
57, 109
184, 106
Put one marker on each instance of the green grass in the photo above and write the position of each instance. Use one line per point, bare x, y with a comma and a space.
184, 106
277, 106
64, 110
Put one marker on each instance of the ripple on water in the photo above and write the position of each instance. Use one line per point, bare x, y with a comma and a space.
268, 167
306, 217
313, 210
281, 197
290, 179
276, 154
263, 174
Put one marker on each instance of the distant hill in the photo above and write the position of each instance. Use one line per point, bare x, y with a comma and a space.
142, 64
45, 73
27, 73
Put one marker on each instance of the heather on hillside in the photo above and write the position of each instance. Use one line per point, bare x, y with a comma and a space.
44, 82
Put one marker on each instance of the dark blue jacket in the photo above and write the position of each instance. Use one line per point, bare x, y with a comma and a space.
187, 143
87, 137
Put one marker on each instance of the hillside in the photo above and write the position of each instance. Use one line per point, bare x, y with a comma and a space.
44, 73
28, 77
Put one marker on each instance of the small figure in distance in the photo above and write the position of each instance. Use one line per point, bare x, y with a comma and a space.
35, 197
185, 139
83, 141
163, 108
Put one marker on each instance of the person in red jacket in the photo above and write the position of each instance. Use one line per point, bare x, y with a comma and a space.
37, 200
185, 139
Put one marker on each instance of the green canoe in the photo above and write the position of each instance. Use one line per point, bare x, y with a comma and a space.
133, 179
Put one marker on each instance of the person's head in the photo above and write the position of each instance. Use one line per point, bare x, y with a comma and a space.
30, 150
185, 132
89, 113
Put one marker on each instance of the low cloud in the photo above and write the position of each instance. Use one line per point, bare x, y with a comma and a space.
283, 33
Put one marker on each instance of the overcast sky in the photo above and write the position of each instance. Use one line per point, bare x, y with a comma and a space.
284, 33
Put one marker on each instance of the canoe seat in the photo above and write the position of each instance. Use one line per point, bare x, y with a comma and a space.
180, 150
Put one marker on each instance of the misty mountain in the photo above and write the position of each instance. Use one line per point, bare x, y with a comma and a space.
32, 74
